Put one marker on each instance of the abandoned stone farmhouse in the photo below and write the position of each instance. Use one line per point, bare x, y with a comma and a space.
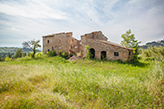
99, 46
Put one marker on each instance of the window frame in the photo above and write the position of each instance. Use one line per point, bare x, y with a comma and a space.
116, 53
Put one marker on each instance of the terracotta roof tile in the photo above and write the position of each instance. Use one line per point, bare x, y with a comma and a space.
111, 43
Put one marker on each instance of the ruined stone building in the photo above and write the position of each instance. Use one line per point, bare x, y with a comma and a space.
99, 46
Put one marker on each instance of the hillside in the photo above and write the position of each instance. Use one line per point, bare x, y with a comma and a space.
5, 50
154, 43
46, 83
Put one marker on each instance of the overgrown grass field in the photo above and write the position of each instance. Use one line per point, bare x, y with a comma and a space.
53, 82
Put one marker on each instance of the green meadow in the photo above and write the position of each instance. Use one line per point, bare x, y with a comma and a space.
53, 82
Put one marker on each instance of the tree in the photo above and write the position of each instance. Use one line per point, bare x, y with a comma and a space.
129, 41
32, 45
9, 55
18, 53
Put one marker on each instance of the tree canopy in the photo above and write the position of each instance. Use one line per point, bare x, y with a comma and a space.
130, 41
32, 45
18, 53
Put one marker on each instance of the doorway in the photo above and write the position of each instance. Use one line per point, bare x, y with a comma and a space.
103, 55
92, 53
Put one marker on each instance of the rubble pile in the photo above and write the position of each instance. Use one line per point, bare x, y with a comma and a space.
74, 58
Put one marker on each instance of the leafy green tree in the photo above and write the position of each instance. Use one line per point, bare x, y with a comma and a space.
129, 41
32, 45
7, 58
9, 55
18, 53
24, 54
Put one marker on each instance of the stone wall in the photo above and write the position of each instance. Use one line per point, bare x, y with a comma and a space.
75, 45
95, 35
108, 47
96, 40
57, 42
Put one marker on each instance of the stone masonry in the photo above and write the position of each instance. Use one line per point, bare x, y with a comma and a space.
100, 48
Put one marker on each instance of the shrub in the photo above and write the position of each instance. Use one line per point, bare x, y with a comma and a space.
60, 53
51, 53
88, 53
18, 53
7, 58
30, 54
24, 54
40, 54
65, 55
154, 52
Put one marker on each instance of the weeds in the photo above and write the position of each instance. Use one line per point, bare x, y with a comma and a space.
53, 82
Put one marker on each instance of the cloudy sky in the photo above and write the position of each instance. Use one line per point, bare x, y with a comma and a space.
23, 20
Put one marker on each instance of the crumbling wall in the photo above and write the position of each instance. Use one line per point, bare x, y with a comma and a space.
96, 35
57, 42
96, 40
75, 45
100, 46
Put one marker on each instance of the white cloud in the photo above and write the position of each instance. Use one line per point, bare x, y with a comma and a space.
34, 19
31, 10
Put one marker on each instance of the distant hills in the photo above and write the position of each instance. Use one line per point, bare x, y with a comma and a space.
5, 50
154, 43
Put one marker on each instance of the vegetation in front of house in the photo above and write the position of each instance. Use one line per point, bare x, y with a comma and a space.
33, 45
53, 82
129, 41
153, 53
50, 81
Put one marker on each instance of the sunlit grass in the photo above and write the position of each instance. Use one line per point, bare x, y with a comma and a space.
56, 83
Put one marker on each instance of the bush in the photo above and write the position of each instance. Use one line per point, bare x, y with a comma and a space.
51, 53
18, 53
156, 53
40, 54
65, 55
60, 53
7, 58
24, 54
30, 54
88, 53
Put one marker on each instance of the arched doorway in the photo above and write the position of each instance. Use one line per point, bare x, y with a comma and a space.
92, 53
103, 55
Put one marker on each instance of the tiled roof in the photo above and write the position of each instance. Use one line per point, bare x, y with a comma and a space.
114, 44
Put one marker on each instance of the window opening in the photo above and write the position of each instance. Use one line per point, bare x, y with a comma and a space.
116, 53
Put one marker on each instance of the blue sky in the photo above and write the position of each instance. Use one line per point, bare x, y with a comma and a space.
23, 20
